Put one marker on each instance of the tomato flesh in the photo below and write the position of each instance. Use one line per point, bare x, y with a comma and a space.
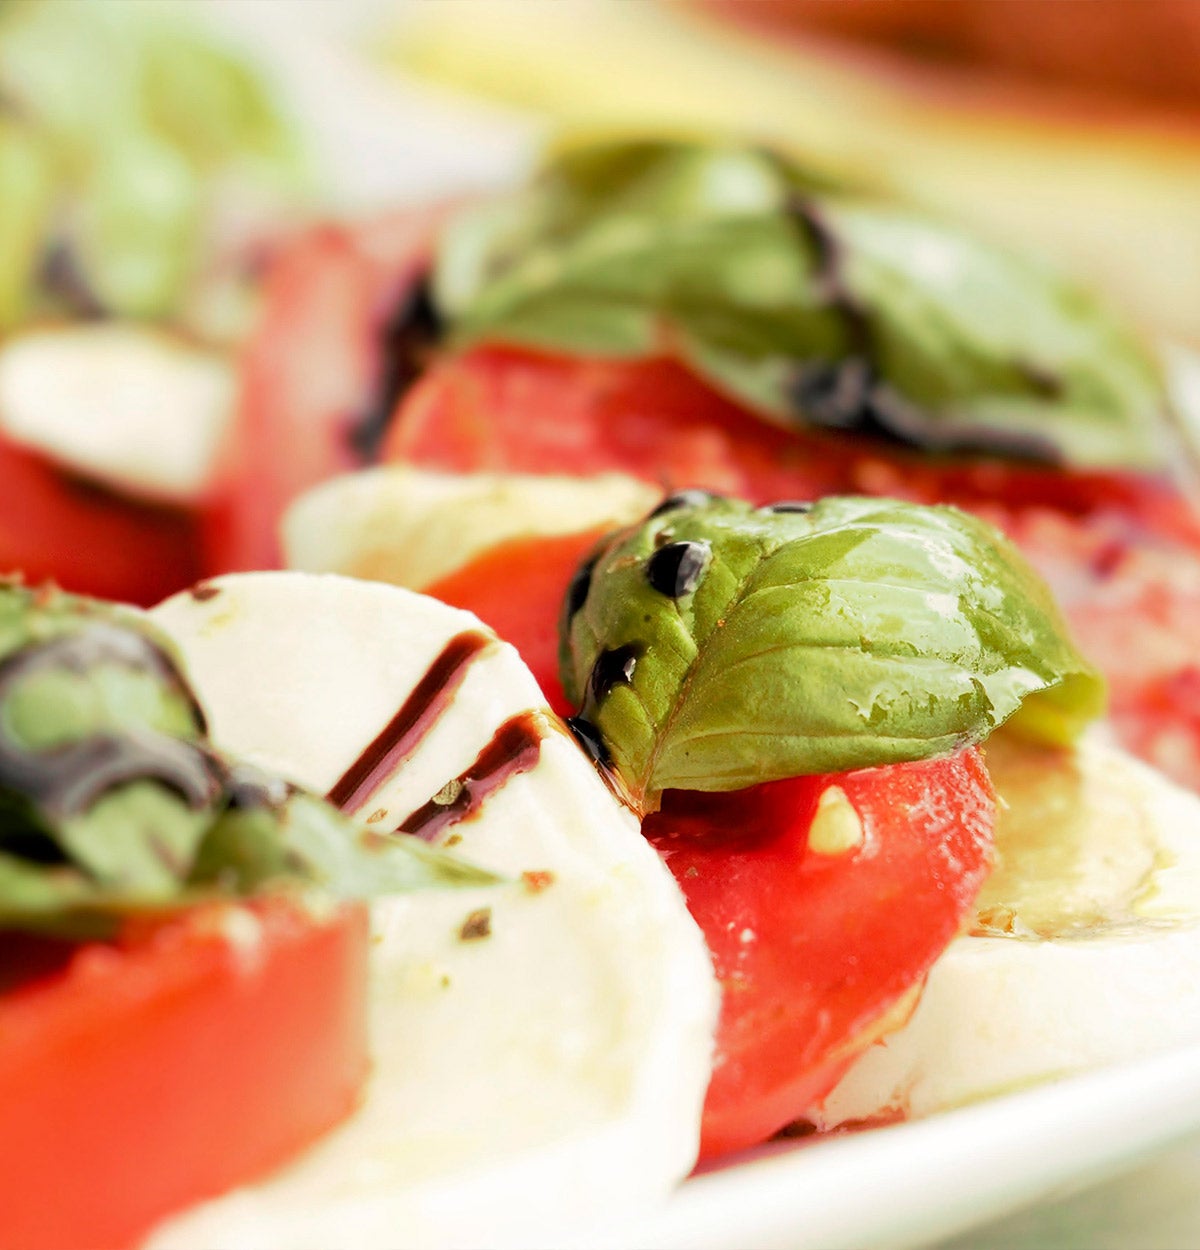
517, 587
142, 1076
811, 948
88, 539
1120, 550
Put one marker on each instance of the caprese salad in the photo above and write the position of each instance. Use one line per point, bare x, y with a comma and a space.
818, 791
185, 961
1094, 866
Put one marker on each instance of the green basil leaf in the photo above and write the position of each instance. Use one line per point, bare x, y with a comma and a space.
770, 286
720, 646
305, 838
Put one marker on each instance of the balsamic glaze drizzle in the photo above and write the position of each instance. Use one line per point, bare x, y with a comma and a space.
401, 736
612, 668
515, 748
831, 282
409, 336
675, 570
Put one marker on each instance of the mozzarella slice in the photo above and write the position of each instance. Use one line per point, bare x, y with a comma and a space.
125, 405
1085, 949
411, 526
548, 1073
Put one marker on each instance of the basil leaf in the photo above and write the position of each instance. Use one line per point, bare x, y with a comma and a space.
771, 286
305, 838
112, 800
720, 646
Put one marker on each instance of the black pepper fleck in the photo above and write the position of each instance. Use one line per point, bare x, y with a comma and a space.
478, 925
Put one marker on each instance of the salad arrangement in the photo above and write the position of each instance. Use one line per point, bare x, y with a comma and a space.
779, 714
880, 835
793, 695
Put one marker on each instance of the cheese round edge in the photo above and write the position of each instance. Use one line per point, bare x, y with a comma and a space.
1001, 1013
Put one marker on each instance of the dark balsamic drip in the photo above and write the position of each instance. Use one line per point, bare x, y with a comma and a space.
61, 274
613, 668
515, 748
401, 736
836, 394
675, 570
590, 742
203, 592
693, 498
581, 583
890, 415
249, 789
847, 395
791, 505
410, 335
831, 283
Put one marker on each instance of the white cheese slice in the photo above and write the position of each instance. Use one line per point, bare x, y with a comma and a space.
549, 1074
1096, 960
411, 526
123, 404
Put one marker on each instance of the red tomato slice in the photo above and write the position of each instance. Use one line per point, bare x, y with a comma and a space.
1122, 551
813, 949
310, 375
517, 587
140, 1077
54, 527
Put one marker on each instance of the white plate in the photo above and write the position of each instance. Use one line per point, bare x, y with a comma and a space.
913, 1183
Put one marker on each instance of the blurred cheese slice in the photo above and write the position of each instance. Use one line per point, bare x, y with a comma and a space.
130, 407
541, 1048
412, 526
1085, 948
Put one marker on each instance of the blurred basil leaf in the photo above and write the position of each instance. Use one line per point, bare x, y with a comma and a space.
113, 801
804, 303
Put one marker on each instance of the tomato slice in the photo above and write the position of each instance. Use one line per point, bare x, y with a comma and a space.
142, 1076
814, 948
87, 539
517, 587
311, 373
1121, 550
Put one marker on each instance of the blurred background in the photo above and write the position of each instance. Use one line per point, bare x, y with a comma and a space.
150, 147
